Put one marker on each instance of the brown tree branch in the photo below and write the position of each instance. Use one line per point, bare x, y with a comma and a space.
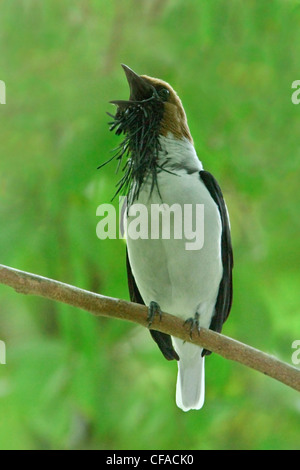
99, 305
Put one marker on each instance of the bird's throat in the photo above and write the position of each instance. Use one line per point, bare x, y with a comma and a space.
139, 122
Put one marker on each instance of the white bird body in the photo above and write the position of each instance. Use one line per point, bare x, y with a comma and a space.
191, 280
183, 282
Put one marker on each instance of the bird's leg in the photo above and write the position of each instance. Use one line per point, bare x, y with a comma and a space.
153, 310
194, 324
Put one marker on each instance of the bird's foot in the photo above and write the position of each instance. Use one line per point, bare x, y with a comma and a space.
194, 324
153, 310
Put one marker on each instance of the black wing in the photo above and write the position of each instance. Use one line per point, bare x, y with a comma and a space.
224, 299
163, 340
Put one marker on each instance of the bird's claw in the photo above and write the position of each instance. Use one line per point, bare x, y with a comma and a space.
194, 324
153, 310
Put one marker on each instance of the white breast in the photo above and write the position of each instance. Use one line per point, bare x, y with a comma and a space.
182, 281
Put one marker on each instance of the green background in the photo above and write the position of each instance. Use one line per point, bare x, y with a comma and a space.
73, 381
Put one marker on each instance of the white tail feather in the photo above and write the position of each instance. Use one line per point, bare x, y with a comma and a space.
190, 388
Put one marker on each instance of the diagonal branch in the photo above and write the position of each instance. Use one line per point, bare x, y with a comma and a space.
100, 305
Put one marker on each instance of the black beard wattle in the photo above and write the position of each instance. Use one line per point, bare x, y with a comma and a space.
140, 123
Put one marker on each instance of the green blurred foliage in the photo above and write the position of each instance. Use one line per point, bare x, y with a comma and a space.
76, 382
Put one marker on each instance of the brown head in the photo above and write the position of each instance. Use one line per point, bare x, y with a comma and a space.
144, 88
153, 110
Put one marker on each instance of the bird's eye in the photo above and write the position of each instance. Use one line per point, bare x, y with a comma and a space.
164, 94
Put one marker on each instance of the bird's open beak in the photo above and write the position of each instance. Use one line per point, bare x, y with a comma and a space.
140, 90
